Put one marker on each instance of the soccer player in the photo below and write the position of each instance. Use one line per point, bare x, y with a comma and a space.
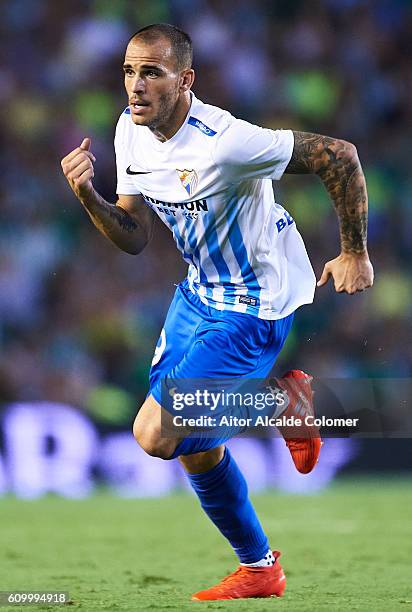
208, 175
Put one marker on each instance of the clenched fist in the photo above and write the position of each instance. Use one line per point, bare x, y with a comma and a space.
78, 169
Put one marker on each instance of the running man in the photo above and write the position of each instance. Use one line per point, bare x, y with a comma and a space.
208, 175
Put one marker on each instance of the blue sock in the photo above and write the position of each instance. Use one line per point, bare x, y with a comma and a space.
223, 495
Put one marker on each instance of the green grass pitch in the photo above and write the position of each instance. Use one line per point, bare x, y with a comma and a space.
348, 548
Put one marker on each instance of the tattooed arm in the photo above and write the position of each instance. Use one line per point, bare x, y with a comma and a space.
128, 223
337, 164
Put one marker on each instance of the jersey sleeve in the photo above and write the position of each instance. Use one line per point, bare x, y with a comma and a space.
125, 184
246, 151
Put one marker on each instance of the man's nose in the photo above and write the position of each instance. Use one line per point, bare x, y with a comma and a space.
138, 85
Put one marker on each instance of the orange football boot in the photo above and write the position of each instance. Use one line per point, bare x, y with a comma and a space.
248, 582
303, 441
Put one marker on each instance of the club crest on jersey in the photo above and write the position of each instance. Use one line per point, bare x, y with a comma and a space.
189, 180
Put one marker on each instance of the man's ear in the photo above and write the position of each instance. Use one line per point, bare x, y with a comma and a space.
187, 78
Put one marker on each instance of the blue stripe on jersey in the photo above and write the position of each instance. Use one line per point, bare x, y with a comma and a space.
192, 240
239, 250
214, 250
180, 242
201, 126
189, 257
127, 110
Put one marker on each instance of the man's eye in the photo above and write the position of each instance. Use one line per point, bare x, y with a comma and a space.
128, 72
152, 74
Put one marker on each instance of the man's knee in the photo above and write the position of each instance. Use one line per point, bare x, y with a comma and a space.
150, 440
147, 431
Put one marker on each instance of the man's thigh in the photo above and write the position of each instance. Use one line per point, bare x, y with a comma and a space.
198, 342
228, 347
176, 337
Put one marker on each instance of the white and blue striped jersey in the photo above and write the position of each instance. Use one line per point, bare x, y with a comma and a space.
211, 184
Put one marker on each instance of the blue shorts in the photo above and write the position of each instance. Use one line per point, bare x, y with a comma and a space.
198, 341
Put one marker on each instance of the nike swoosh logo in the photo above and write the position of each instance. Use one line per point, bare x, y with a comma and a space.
128, 171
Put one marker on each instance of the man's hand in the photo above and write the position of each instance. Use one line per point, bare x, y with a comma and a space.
78, 169
351, 272
128, 223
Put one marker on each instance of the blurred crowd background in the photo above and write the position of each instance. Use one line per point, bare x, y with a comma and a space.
79, 319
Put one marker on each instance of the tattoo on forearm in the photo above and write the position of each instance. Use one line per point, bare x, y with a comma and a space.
122, 228
107, 217
123, 219
337, 164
